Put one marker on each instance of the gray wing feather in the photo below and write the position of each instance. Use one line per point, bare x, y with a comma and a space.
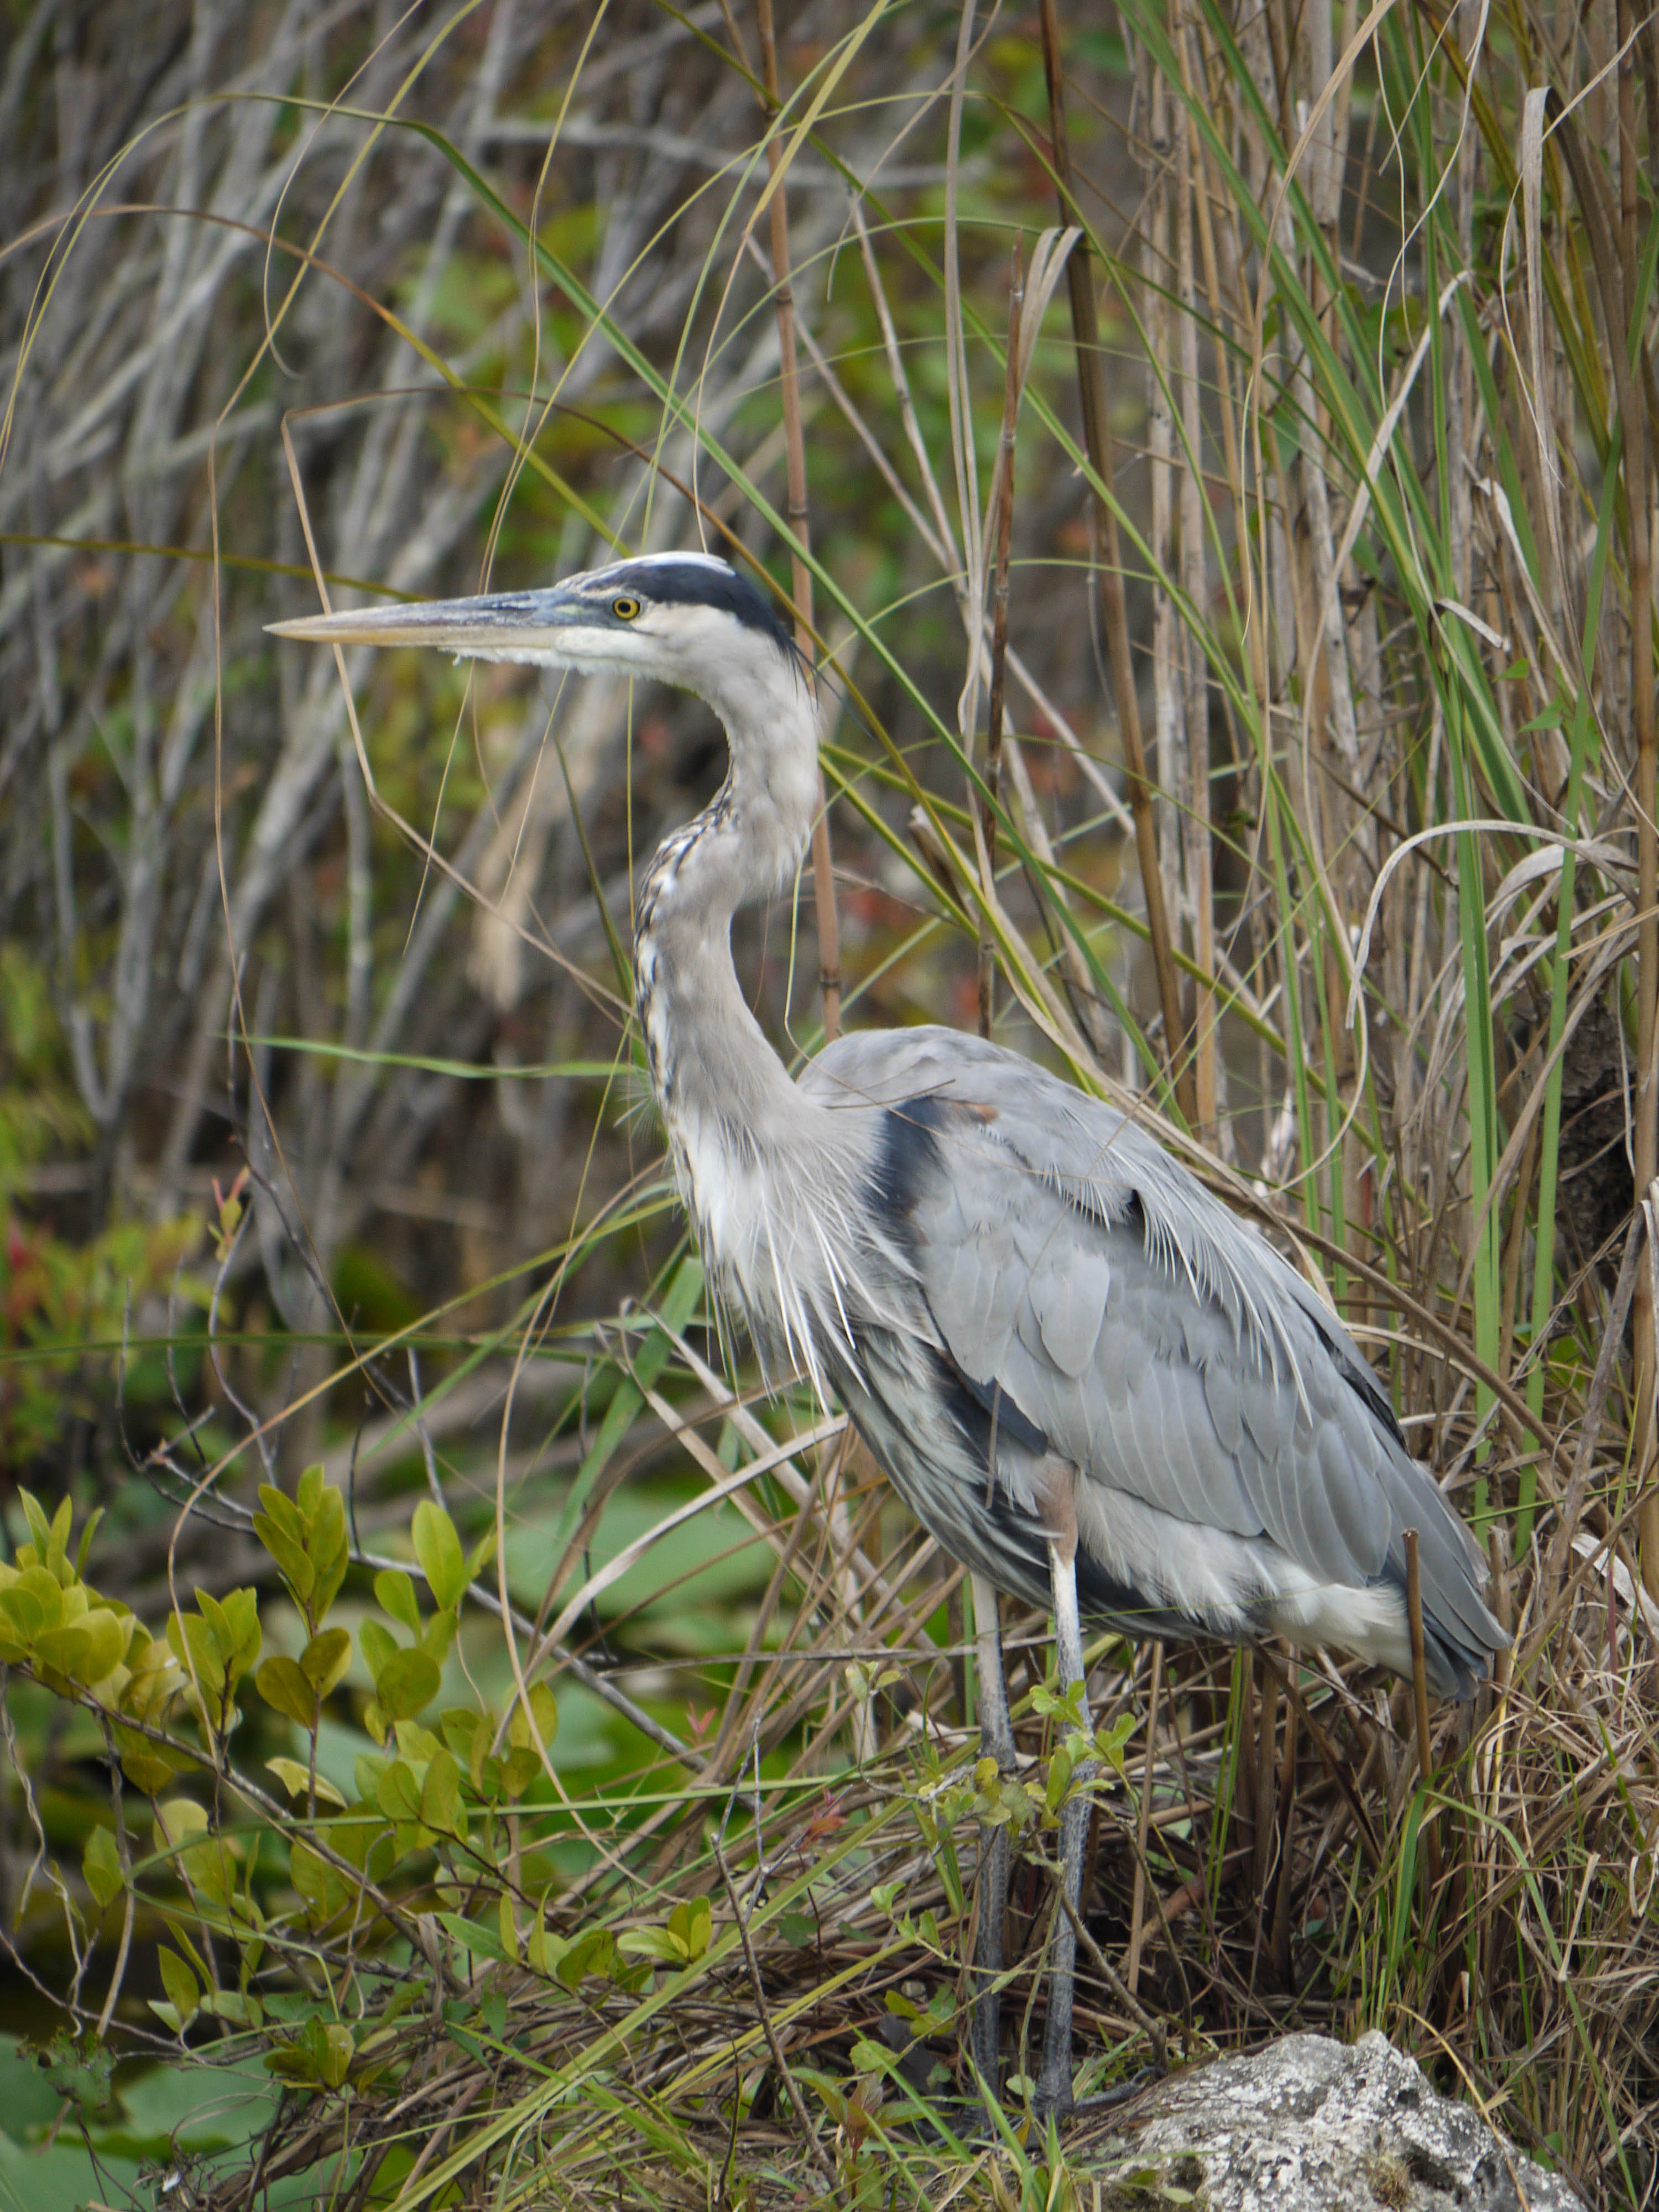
1221, 1391
1159, 1343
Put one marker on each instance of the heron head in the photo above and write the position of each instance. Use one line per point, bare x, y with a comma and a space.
682, 618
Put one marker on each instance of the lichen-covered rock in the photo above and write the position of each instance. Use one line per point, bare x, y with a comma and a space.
1312, 2125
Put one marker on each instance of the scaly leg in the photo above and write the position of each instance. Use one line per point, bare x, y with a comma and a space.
996, 1737
1055, 2082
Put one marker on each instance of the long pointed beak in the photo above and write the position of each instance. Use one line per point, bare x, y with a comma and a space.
500, 626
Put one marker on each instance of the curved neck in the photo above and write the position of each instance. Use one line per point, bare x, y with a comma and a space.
709, 1059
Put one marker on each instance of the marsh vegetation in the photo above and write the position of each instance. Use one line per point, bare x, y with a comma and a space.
522, 1763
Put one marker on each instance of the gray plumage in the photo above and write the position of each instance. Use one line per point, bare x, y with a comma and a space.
1092, 1383
1238, 1467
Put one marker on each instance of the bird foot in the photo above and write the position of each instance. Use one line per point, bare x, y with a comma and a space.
1066, 2105
1053, 2095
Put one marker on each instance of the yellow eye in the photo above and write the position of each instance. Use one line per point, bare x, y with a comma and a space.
624, 609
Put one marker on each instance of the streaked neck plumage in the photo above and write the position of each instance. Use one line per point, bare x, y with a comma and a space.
721, 1089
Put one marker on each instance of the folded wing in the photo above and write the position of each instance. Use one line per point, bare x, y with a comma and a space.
1077, 1274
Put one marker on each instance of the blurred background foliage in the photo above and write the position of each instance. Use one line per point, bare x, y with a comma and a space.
322, 1142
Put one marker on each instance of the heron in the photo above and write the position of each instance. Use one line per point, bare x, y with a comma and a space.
1098, 1389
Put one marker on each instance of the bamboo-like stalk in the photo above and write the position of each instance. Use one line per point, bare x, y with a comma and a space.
824, 880
1168, 751
1143, 1828
1608, 251
1000, 636
1646, 1147
1279, 1942
1108, 577
1195, 704
1420, 1701
1267, 1691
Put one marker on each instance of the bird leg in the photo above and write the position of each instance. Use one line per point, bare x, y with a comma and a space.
996, 1739
1053, 2089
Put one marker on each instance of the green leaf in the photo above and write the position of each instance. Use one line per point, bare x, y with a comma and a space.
109, 1636
440, 1797
23, 1608
102, 1865
339, 2053
57, 1542
397, 1793
320, 2056
326, 1658
1060, 1778
329, 1550
209, 1868
296, 1779
84, 1551
473, 1937
691, 1926
1109, 1742
287, 1551
523, 1760
34, 1514
438, 1548
418, 1745
366, 1772
48, 1594
65, 1651
145, 1765
219, 1626
517, 1771
377, 1646
440, 1634
468, 1736
949, 1873
242, 1610
177, 1821
319, 1888
154, 1678
652, 1943
544, 1710
394, 1594
284, 1684
594, 1952
184, 1994
283, 1512
408, 1682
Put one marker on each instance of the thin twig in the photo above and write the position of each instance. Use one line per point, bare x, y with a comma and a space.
124, 1851
823, 881
791, 2089
1334, 1766
1420, 1700
999, 638
1151, 2028
1143, 1820
1589, 1429
1109, 582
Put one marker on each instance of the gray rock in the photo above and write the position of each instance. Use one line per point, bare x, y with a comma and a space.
1312, 2125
